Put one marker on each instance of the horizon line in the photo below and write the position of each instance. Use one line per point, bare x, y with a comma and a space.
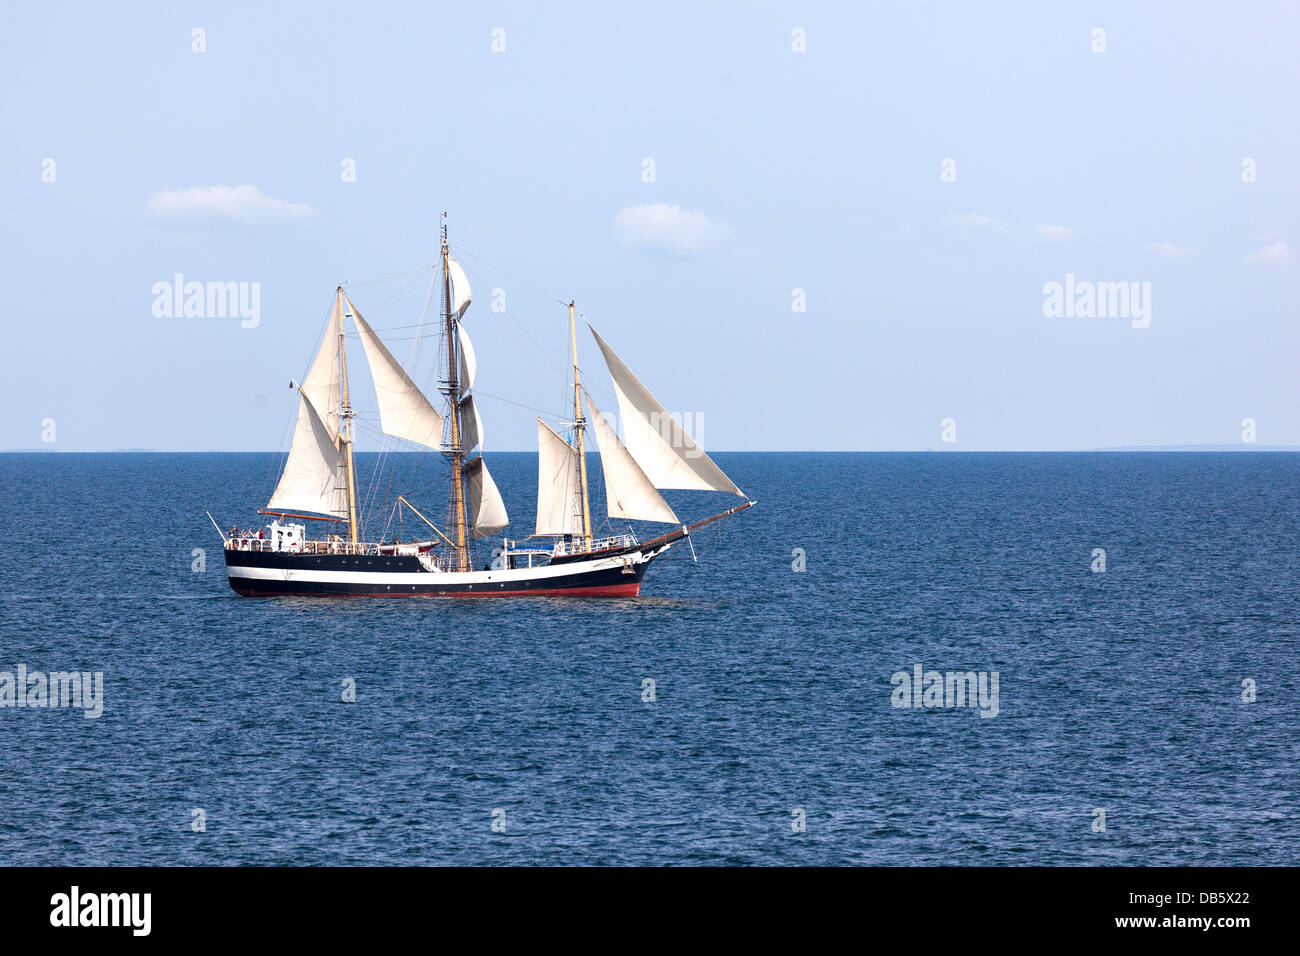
1214, 448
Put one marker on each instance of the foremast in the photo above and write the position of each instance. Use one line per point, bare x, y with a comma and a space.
456, 454
579, 426
345, 433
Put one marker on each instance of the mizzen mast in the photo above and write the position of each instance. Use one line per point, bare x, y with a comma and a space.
579, 426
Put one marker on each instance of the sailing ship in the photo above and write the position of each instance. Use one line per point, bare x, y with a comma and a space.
318, 482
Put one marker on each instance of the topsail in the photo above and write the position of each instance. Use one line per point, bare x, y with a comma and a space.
460, 294
489, 510
468, 360
471, 426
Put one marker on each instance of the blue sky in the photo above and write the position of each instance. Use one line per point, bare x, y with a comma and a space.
817, 170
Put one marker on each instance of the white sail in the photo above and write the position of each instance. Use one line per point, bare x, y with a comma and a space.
312, 480
628, 492
460, 294
557, 484
468, 360
489, 510
471, 425
404, 412
667, 455
322, 384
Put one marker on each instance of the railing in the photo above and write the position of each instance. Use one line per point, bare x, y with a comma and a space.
561, 548
315, 547
597, 544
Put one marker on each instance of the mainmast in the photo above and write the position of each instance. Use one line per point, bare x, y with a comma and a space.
579, 426
457, 505
345, 436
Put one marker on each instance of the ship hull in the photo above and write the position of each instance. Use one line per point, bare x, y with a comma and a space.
275, 574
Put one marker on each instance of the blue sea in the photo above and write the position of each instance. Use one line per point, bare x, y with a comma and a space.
1146, 714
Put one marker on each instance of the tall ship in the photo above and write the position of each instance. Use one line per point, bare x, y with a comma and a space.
562, 556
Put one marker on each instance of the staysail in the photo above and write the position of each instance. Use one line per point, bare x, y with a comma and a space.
323, 382
628, 492
489, 510
558, 507
404, 412
667, 455
312, 480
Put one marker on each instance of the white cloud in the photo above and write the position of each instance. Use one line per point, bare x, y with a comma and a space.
968, 220
669, 229
1055, 233
1274, 254
245, 204
1170, 251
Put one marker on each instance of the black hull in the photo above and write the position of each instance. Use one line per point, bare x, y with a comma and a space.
285, 561
284, 575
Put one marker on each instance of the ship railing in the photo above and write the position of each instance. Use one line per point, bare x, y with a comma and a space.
317, 547
598, 544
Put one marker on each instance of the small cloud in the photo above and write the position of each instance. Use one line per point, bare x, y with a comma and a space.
669, 229
1055, 233
246, 205
973, 220
1273, 254
1167, 250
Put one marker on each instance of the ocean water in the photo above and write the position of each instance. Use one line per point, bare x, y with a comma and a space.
1119, 691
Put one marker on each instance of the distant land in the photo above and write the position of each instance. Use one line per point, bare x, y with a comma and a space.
1238, 446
